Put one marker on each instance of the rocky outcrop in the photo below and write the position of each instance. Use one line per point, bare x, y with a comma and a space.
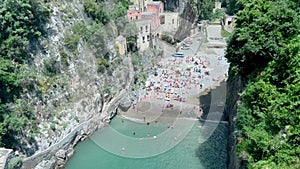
171, 5
125, 103
186, 22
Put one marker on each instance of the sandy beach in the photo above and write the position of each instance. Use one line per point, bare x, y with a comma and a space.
173, 89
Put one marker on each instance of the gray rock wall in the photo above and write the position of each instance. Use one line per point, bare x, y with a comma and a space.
235, 86
47, 154
186, 22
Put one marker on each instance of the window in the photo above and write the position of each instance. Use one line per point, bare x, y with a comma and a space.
136, 17
130, 18
148, 37
146, 28
143, 39
141, 28
173, 21
162, 19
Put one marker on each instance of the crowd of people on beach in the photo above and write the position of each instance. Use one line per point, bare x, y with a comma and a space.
174, 78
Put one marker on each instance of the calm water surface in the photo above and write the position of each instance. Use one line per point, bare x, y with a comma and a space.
187, 154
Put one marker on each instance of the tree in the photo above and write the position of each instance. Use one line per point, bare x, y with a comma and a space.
205, 9
233, 6
130, 33
261, 30
268, 116
21, 24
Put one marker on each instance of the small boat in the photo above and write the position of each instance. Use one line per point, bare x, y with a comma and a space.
178, 55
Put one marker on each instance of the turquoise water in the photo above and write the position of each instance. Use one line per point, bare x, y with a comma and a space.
186, 154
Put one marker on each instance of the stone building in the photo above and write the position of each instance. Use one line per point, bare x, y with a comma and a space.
154, 19
144, 37
169, 22
134, 13
218, 5
229, 22
151, 21
155, 6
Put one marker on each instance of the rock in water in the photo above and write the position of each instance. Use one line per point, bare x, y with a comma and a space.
61, 154
125, 104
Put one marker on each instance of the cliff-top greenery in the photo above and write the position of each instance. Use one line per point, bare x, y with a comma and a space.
265, 49
21, 24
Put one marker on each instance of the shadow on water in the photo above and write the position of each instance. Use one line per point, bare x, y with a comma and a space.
214, 149
214, 101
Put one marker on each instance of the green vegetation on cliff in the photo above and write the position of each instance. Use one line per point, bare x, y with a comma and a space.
21, 24
204, 9
265, 49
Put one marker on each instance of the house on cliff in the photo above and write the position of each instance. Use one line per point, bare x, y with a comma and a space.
152, 21
145, 14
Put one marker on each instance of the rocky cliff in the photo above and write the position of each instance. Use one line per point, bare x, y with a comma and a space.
71, 98
235, 86
187, 21
77, 86
70, 95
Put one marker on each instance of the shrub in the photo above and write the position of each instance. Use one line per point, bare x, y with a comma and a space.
71, 40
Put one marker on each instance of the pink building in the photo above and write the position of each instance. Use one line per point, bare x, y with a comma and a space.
154, 19
156, 6
152, 12
134, 14
147, 21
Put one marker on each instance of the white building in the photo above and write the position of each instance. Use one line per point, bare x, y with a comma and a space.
144, 37
169, 22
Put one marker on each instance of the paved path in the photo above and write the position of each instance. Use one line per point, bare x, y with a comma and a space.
4, 153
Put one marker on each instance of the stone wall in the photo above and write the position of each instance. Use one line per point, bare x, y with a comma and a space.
47, 154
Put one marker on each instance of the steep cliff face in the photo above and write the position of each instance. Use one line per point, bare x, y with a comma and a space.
69, 88
235, 86
79, 83
188, 18
171, 5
